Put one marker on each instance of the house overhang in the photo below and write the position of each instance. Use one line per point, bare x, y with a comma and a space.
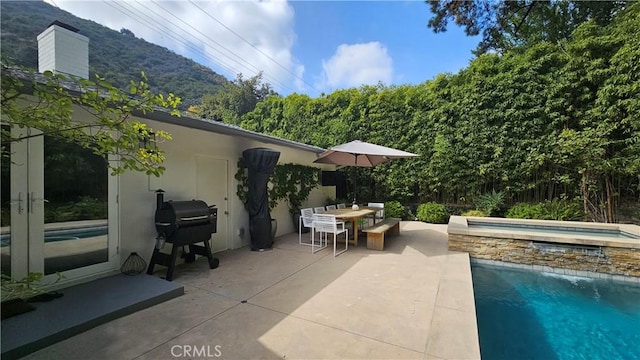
219, 127
164, 116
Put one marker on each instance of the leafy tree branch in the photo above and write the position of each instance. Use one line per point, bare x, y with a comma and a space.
92, 113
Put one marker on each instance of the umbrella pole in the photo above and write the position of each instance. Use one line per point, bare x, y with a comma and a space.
355, 179
355, 182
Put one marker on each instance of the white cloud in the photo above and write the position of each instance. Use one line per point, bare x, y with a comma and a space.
356, 65
230, 36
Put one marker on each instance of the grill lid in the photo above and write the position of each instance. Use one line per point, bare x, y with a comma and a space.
177, 214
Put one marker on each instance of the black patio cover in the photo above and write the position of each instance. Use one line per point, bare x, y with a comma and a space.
260, 162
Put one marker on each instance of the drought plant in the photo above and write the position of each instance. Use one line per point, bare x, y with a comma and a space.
432, 212
490, 203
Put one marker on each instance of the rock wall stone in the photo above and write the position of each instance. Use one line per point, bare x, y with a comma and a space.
610, 260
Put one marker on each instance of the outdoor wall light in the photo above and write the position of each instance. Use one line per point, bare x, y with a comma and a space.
147, 140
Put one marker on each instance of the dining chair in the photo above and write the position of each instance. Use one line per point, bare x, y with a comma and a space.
342, 206
325, 224
319, 210
306, 220
378, 214
331, 207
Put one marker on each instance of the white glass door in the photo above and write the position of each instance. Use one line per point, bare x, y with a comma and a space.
62, 210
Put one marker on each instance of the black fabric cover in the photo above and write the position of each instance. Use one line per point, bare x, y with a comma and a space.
260, 162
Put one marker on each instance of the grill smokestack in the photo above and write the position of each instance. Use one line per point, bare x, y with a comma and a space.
62, 50
159, 198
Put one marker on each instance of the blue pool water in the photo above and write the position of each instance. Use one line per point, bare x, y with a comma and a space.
525, 314
64, 234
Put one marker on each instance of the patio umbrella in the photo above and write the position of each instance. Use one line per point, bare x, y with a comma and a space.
360, 153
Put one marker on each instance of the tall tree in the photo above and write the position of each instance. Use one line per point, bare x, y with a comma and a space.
235, 99
506, 24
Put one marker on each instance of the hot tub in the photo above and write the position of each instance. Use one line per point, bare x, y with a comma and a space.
575, 246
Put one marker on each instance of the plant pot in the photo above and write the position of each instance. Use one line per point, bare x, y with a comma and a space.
15, 307
296, 222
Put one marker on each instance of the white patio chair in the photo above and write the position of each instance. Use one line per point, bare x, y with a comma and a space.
325, 224
342, 206
331, 207
306, 220
319, 210
379, 215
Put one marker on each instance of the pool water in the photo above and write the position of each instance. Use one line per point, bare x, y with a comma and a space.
525, 314
64, 234
545, 229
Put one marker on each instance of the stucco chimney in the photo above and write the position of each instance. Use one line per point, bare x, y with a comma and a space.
62, 50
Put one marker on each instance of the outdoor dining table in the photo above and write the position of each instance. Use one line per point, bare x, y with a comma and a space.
349, 214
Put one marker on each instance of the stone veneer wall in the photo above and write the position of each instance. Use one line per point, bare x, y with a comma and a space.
612, 260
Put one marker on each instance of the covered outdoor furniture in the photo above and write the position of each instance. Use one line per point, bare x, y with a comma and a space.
326, 224
260, 163
306, 220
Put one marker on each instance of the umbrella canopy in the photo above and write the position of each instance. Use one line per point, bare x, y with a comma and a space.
359, 153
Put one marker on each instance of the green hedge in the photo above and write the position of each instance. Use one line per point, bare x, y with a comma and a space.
556, 209
477, 213
432, 212
526, 211
393, 209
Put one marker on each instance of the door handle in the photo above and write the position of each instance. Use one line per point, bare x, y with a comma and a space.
19, 201
34, 199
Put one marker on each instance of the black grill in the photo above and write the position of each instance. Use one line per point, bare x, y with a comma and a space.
183, 223
174, 216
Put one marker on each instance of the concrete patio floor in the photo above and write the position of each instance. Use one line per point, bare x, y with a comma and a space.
414, 300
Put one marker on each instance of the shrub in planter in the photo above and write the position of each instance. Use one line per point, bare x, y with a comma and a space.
393, 209
432, 212
477, 213
556, 209
489, 203
526, 211
563, 210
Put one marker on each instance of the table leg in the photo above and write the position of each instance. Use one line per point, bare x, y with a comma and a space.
355, 232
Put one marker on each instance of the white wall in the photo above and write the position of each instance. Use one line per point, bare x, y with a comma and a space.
138, 200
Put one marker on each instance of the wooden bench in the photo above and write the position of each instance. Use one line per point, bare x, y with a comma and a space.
375, 233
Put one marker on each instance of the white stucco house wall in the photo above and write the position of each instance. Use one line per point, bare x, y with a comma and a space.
201, 162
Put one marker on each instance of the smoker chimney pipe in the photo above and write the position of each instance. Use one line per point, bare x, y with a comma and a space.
159, 198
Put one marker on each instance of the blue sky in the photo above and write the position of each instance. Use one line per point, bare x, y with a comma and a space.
309, 47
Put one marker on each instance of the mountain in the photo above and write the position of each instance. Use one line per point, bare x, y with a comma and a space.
117, 56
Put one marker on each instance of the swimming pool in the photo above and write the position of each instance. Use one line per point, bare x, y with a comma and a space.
524, 314
64, 234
